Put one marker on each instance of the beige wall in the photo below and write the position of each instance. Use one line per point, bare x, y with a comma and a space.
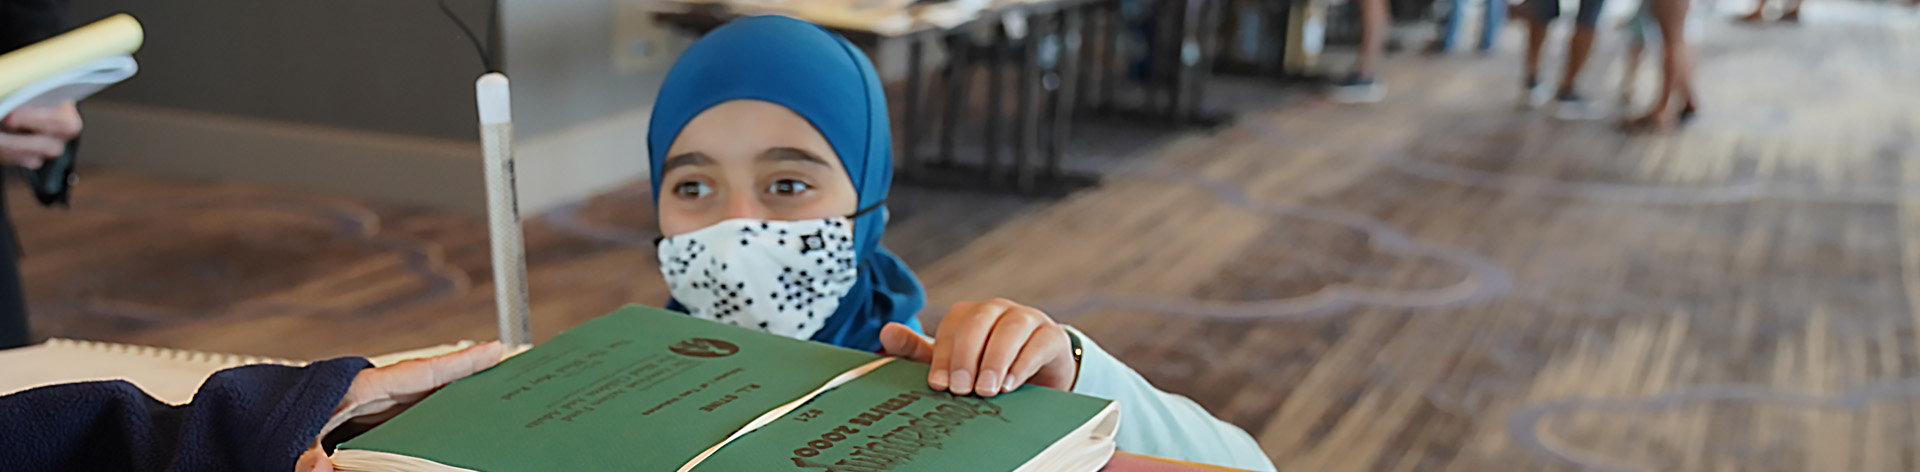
584, 76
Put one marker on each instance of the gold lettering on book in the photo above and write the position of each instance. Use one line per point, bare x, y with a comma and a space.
899, 445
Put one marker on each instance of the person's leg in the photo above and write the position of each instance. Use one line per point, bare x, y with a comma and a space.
1759, 13
1677, 66
13, 304
1579, 45
1495, 19
1450, 32
1536, 40
1538, 21
1362, 86
1373, 35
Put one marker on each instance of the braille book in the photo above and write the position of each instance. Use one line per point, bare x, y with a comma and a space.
646, 389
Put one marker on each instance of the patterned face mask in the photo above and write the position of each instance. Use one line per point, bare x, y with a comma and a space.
782, 277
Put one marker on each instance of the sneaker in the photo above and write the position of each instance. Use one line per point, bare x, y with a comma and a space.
1357, 89
1573, 107
1534, 95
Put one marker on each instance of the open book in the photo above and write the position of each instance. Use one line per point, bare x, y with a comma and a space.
169, 375
71, 66
645, 389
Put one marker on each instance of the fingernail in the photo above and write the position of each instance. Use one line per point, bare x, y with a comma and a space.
937, 379
1011, 386
989, 383
962, 382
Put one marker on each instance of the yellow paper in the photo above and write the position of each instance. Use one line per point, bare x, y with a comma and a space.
117, 35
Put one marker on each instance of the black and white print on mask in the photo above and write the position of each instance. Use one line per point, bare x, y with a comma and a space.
783, 277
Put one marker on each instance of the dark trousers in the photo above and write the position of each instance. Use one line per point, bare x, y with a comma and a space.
13, 305
13, 297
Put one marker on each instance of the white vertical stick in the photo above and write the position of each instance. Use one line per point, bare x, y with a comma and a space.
503, 210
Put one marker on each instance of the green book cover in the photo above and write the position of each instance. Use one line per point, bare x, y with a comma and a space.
646, 389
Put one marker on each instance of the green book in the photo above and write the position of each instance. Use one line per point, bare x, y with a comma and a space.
646, 389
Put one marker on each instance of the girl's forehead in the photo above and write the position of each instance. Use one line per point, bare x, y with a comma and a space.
740, 132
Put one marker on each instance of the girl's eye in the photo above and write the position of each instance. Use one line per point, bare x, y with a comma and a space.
788, 187
692, 189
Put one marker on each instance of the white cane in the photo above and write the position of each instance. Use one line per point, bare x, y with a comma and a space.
503, 211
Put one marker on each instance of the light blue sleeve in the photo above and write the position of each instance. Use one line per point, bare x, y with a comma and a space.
1157, 423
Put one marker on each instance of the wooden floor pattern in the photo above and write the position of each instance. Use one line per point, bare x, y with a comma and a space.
1434, 283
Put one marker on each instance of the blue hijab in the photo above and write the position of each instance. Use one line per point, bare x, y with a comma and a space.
829, 82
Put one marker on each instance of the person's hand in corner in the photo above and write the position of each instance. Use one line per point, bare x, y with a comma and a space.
989, 348
377, 395
30, 136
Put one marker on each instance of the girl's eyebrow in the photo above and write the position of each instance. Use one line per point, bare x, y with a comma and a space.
791, 154
684, 160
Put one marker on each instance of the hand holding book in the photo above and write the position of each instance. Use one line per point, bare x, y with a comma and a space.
378, 395
30, 136
989, 348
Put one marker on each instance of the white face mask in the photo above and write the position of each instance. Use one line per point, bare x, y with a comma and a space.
782, 277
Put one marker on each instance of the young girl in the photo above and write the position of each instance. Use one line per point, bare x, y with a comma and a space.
771, 160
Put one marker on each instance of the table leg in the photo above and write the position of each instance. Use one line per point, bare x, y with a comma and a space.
1109, 68
990, 158
1187, 56
909, 145
1208, 51
1172, 40
956, 101
1066, 97
1078, 36
1027, 127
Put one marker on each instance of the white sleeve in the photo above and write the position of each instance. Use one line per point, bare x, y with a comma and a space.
1157, 423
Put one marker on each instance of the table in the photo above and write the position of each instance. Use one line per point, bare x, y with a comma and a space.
1045, 102
1125, 462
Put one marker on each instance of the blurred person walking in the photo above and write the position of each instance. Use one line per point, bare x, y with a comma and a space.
1362, 85
1789, 13
1568, 103
1676, 71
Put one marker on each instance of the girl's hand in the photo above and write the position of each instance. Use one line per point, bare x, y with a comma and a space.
988, 348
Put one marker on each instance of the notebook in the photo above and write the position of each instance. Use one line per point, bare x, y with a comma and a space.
170, 375
646, 389
71, 66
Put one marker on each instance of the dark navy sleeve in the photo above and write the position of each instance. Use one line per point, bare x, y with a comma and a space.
251, 418
24, 22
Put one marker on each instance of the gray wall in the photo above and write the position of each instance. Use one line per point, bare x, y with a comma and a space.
578, 61
394, 66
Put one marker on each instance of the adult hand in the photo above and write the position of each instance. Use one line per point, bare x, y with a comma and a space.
378, 394
988, 348
30, 136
